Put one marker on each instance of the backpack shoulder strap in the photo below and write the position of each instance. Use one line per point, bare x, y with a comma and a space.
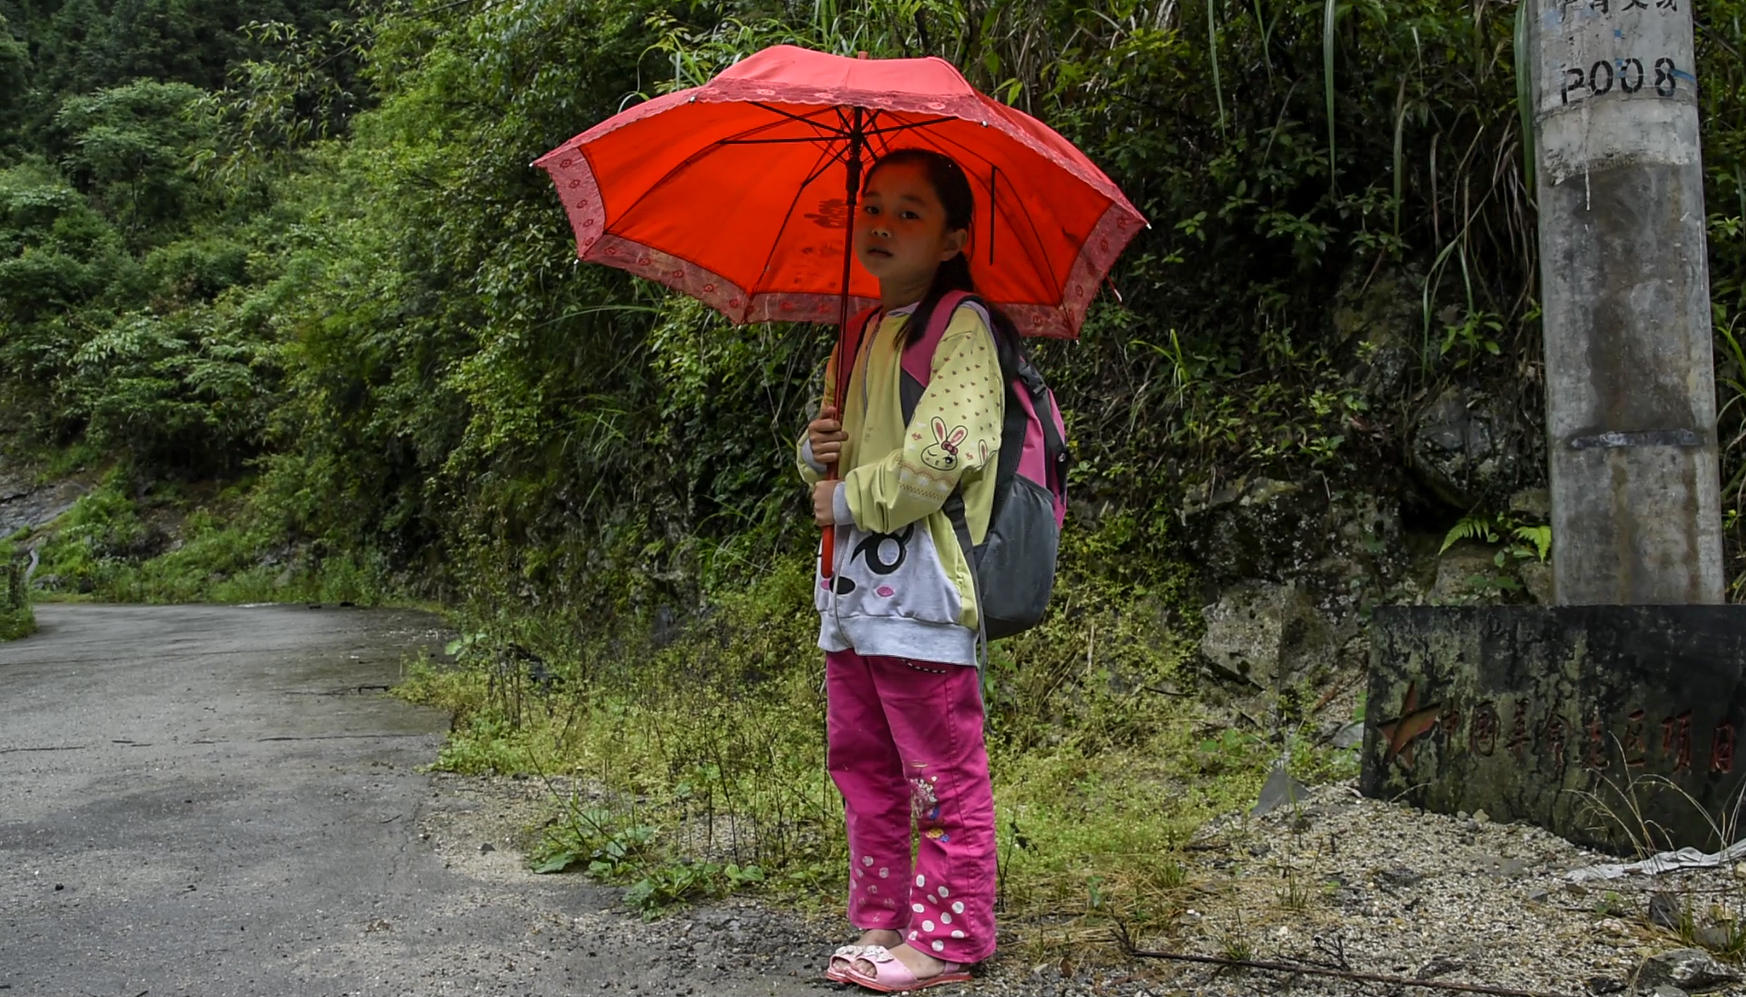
918, 357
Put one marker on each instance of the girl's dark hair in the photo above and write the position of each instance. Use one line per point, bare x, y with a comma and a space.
952, 187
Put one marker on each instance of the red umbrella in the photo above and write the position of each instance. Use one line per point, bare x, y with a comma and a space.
734, 193
740, 192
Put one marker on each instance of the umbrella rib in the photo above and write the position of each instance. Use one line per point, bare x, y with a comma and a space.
842, 131
833, 157
993, 207
837, 154
830, 157
779, 141
1047, 270
911, 125
830, 135
870, 133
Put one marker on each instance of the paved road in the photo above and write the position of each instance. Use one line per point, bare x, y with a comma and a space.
213, 801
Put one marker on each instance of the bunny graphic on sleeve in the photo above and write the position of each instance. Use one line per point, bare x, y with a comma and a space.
942, 455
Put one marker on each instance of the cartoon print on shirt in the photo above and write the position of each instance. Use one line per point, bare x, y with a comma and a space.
942, 455
884, 553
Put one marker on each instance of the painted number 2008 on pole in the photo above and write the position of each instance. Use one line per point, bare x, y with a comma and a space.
1627, 75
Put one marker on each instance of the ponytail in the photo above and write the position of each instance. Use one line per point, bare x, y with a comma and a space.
952, 275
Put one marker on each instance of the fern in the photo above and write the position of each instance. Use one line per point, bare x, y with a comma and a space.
1539, 536
1496, 527
1474, 525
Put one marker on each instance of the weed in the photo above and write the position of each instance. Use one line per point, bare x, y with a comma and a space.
704, 756
16, 617
1236, 946
1295, 893
1721, 928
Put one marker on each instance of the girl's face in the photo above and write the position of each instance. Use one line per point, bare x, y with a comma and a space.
901, 235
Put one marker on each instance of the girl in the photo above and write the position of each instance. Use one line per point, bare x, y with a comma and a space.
899, 618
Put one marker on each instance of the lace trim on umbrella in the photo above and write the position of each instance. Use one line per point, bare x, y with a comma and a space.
717, 291
574, 177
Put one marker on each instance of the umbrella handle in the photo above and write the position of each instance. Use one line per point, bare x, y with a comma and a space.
827, 551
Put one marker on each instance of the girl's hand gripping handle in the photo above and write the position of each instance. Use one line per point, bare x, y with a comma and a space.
826, 436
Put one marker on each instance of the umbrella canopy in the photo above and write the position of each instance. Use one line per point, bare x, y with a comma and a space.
738, 192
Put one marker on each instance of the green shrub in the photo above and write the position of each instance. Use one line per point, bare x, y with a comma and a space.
17, 619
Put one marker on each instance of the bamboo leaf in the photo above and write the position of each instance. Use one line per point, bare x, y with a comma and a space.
1330, 15
1399, 172
1525, 93
1212, 41
1266, 39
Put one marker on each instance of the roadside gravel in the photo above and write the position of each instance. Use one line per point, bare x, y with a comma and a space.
1336, 882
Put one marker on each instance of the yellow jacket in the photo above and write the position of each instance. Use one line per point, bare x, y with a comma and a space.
903, 584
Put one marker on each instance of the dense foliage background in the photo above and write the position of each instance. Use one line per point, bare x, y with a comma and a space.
278, 276
301, 246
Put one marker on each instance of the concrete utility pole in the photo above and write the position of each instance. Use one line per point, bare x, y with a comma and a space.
1630, 380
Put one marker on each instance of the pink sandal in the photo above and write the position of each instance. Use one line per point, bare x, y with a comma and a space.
891, 976
842, 964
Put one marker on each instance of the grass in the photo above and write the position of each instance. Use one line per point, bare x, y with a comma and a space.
1713, 918
117, 544
698, 768
16, 618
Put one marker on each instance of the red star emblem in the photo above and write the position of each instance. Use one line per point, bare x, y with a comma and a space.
1413, 723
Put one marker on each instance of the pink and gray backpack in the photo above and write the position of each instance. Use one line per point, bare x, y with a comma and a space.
1015, 563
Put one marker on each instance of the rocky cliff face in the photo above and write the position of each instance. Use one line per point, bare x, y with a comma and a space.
1442, 510
26, 504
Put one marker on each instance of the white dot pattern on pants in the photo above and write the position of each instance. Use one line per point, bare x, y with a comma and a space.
957, 934
939, 946
866, 860
927, 925
958, 907
916, 907
943, 891
921, 880
884, 873
945, 919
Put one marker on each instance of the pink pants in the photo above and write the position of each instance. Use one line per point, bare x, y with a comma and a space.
905, 744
